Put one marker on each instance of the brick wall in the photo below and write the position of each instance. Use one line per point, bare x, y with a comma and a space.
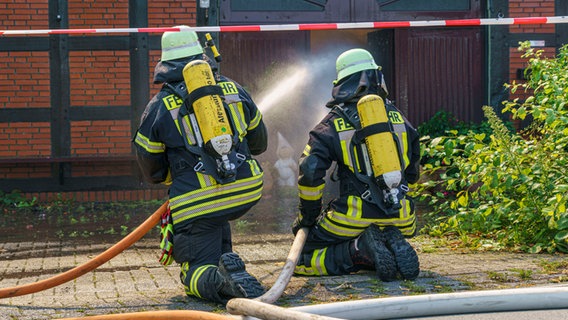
29, 86
25, 139
98, 14
102, 79
29, 14
528, 8
98, 78
531, 8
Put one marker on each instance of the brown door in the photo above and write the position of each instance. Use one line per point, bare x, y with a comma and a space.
438, 69
250, 56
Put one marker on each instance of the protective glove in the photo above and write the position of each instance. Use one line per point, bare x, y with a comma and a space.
166, 238
304, 221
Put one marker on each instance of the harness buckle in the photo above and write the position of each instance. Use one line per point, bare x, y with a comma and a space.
198, 166
366, 194
240, 156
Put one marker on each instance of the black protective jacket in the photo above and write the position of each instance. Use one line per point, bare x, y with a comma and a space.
331, 142
164, 158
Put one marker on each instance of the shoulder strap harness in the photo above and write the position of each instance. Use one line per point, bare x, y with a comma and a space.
204, 162
366, 185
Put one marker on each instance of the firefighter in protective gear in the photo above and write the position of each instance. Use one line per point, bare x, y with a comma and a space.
358, 229
200, 206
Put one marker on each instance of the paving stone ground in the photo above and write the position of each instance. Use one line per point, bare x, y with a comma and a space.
134, 281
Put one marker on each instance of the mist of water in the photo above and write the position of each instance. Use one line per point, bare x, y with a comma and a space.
284, 88
292, 100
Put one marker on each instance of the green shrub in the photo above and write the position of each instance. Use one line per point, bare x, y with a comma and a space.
507, 190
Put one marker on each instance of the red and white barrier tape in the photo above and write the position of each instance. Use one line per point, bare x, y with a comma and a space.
307, 26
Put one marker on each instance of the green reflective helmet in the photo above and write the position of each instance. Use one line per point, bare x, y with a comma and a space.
352, 61
180, 44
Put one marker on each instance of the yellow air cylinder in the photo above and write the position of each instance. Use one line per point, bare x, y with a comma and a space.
212, 119
381, 147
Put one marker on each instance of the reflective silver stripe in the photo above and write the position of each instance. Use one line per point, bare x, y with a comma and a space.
183, 46
344, 232
311, 193
401, 133
246, 190
256, 120
188, 133
356, 63
174, 113
346, 137
150, 146
231, 98
216, 205
205, 180
357, 222
318, 261
238, 119
215, 190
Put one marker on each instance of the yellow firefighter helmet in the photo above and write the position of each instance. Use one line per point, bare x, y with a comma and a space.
352, 61
176, 45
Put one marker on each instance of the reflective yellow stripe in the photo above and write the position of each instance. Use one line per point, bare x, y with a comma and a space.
253, 184
356, 161
334, 221
254, 167
237, 115
172, 101
318, 261
229, 88
304, 270
351, 223
345, 153
150, 146
339, 230
345, 141
307, 150
311, 193
193, 289
317, 267
177, 125
188, 131
254, 122
205, 180
402, 136
216, 205
404, 139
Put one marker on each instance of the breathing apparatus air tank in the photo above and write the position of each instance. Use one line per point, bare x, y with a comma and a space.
213, 124
380, 147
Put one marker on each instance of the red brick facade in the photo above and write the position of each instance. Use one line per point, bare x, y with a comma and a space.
531, 8
97, 79
528, 8
101, 79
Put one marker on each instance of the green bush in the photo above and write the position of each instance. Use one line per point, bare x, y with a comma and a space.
505, 189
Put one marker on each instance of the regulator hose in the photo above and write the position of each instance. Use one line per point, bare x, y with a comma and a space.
90, 265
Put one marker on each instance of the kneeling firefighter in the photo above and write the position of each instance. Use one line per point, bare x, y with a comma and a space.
377, 154
198, 135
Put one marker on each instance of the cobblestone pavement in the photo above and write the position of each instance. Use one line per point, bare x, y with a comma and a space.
134, 280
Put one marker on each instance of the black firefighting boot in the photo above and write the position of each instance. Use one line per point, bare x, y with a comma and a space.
406, 257
369, 251
237, 282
